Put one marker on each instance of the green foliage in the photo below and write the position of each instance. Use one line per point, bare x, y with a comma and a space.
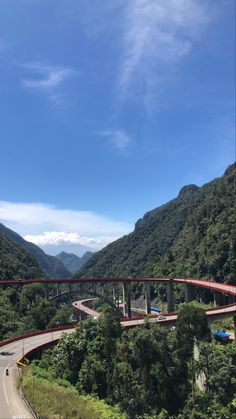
63, 400
192, 235
27, 310
191, 326
145, 371
139, 370
15, 262
218, 363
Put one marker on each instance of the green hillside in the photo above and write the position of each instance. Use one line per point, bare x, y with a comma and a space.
15, 262
73, 262
49, 264
192, 235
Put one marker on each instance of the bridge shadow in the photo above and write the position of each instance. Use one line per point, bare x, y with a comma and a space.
6, 353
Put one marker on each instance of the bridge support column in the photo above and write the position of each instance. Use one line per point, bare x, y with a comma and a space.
189, 293
102, 289
115, 293
148, 298
46, 291
231, 299
117, 296
59, 291
81, 288
126, 299
70, 289
93, 287
217, 299
202, 295
170, 298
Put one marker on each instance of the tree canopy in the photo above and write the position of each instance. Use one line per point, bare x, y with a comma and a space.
192, 235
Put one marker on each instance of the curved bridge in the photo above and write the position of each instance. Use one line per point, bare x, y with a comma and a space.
218, 289
165, 319
203, 283
11, 403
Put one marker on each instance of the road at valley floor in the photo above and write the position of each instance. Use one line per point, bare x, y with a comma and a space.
11, 403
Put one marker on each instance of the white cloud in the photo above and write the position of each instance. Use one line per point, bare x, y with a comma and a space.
57, 238
157, 34
47, 223
118, 138
44, 77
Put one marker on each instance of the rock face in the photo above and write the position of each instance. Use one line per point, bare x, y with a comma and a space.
48, 264
187, 191
192, 235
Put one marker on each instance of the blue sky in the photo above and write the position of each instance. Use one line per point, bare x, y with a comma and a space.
107, 109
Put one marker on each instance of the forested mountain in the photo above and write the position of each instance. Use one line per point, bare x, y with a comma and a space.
49, 264
192, 235
73, 262
15, 262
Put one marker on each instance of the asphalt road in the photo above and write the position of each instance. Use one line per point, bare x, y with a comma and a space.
11, 402
213, 313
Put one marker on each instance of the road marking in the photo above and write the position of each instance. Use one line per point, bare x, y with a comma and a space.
4, 387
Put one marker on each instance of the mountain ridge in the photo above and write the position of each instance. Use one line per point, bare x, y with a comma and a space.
49, 264
73, 262
16, 262
191, 235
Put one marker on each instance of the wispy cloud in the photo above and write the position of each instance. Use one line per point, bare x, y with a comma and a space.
156, 35
44, 223
119, 139
46, 78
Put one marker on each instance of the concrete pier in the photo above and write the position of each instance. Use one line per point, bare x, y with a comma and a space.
202, 295
93, 288
148, 298
217, 299
231, 299
170, 298
102, 289
126, 299
189, 293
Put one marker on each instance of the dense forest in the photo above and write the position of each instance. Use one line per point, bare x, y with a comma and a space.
147, 372
192, 235
16, 262
27, 310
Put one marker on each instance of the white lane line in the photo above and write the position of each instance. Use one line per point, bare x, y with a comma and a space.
3, 382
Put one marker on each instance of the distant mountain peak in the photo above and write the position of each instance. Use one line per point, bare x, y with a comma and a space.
187, 191
73, 262
230, 169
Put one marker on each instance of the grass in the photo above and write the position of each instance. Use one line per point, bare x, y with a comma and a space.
50, 400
